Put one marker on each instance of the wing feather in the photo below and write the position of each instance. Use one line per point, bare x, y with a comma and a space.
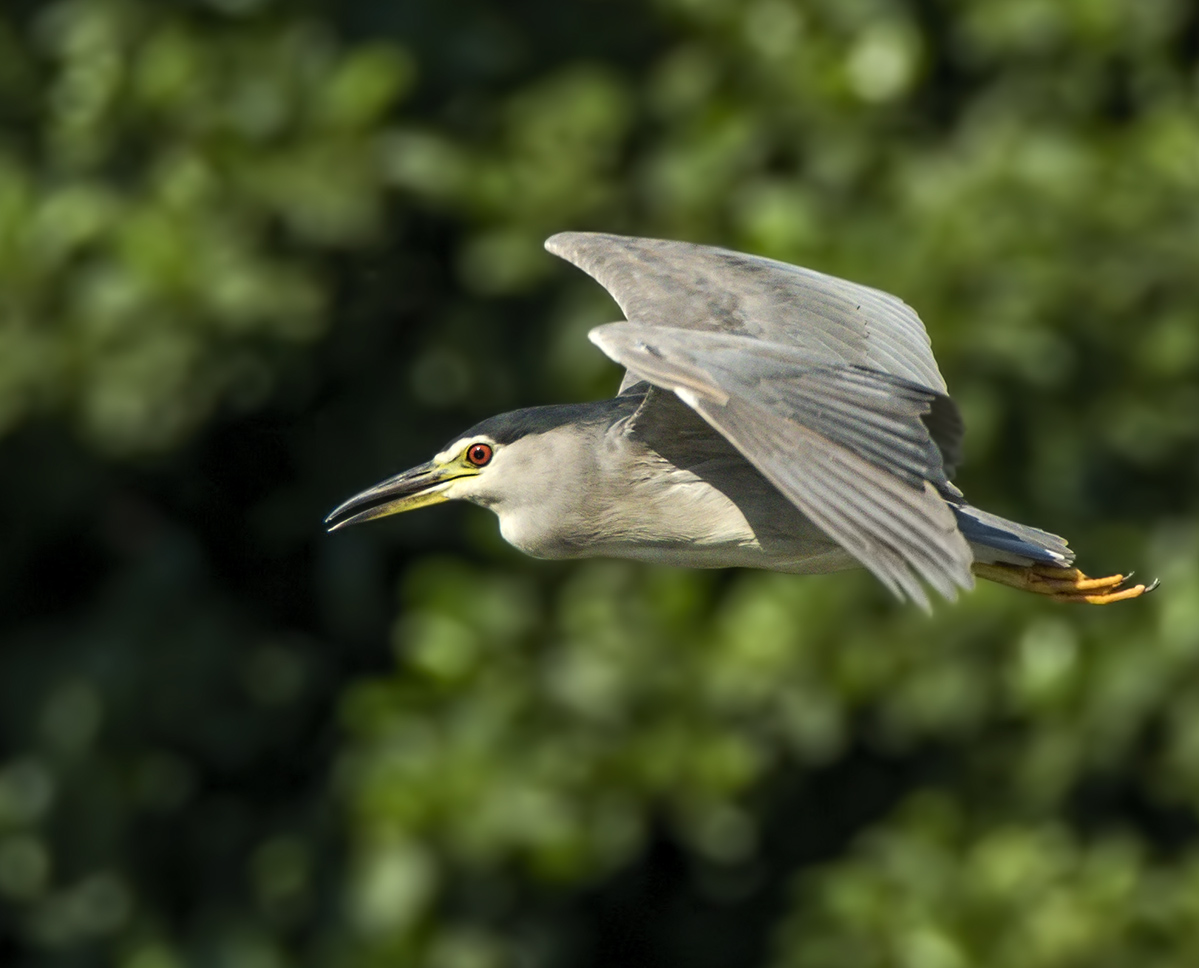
680, 284
845, 444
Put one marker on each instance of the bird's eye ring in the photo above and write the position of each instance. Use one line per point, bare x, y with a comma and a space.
478, 454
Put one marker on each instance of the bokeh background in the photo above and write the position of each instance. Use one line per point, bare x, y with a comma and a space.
255, 256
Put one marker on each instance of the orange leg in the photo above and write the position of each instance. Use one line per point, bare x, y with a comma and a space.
1063, 584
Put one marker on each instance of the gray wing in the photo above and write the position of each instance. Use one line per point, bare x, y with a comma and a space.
845, 444
690, 286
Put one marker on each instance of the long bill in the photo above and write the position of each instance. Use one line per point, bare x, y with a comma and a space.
415, 488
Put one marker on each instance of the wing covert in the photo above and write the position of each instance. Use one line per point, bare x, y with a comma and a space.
846, 445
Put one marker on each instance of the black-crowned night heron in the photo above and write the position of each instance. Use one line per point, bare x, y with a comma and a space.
770, 417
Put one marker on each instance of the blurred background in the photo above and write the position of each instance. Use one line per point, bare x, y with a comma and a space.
255, 256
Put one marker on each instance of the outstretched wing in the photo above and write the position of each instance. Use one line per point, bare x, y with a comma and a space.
698, 287
846, 444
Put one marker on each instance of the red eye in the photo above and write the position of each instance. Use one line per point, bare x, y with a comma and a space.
479, 454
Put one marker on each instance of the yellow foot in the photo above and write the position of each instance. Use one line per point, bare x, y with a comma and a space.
1063, 584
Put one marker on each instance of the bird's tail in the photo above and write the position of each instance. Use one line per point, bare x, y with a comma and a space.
997, 540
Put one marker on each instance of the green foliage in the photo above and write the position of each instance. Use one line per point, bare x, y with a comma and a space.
547, 735
222, 239
160, 204
928, 890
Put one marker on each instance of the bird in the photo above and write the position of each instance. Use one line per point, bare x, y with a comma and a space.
770, 416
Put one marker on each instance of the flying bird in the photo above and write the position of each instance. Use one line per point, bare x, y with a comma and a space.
770, 416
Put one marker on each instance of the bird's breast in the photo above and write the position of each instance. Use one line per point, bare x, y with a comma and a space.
686, 522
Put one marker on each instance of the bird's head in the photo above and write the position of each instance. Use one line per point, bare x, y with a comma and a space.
510, 461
